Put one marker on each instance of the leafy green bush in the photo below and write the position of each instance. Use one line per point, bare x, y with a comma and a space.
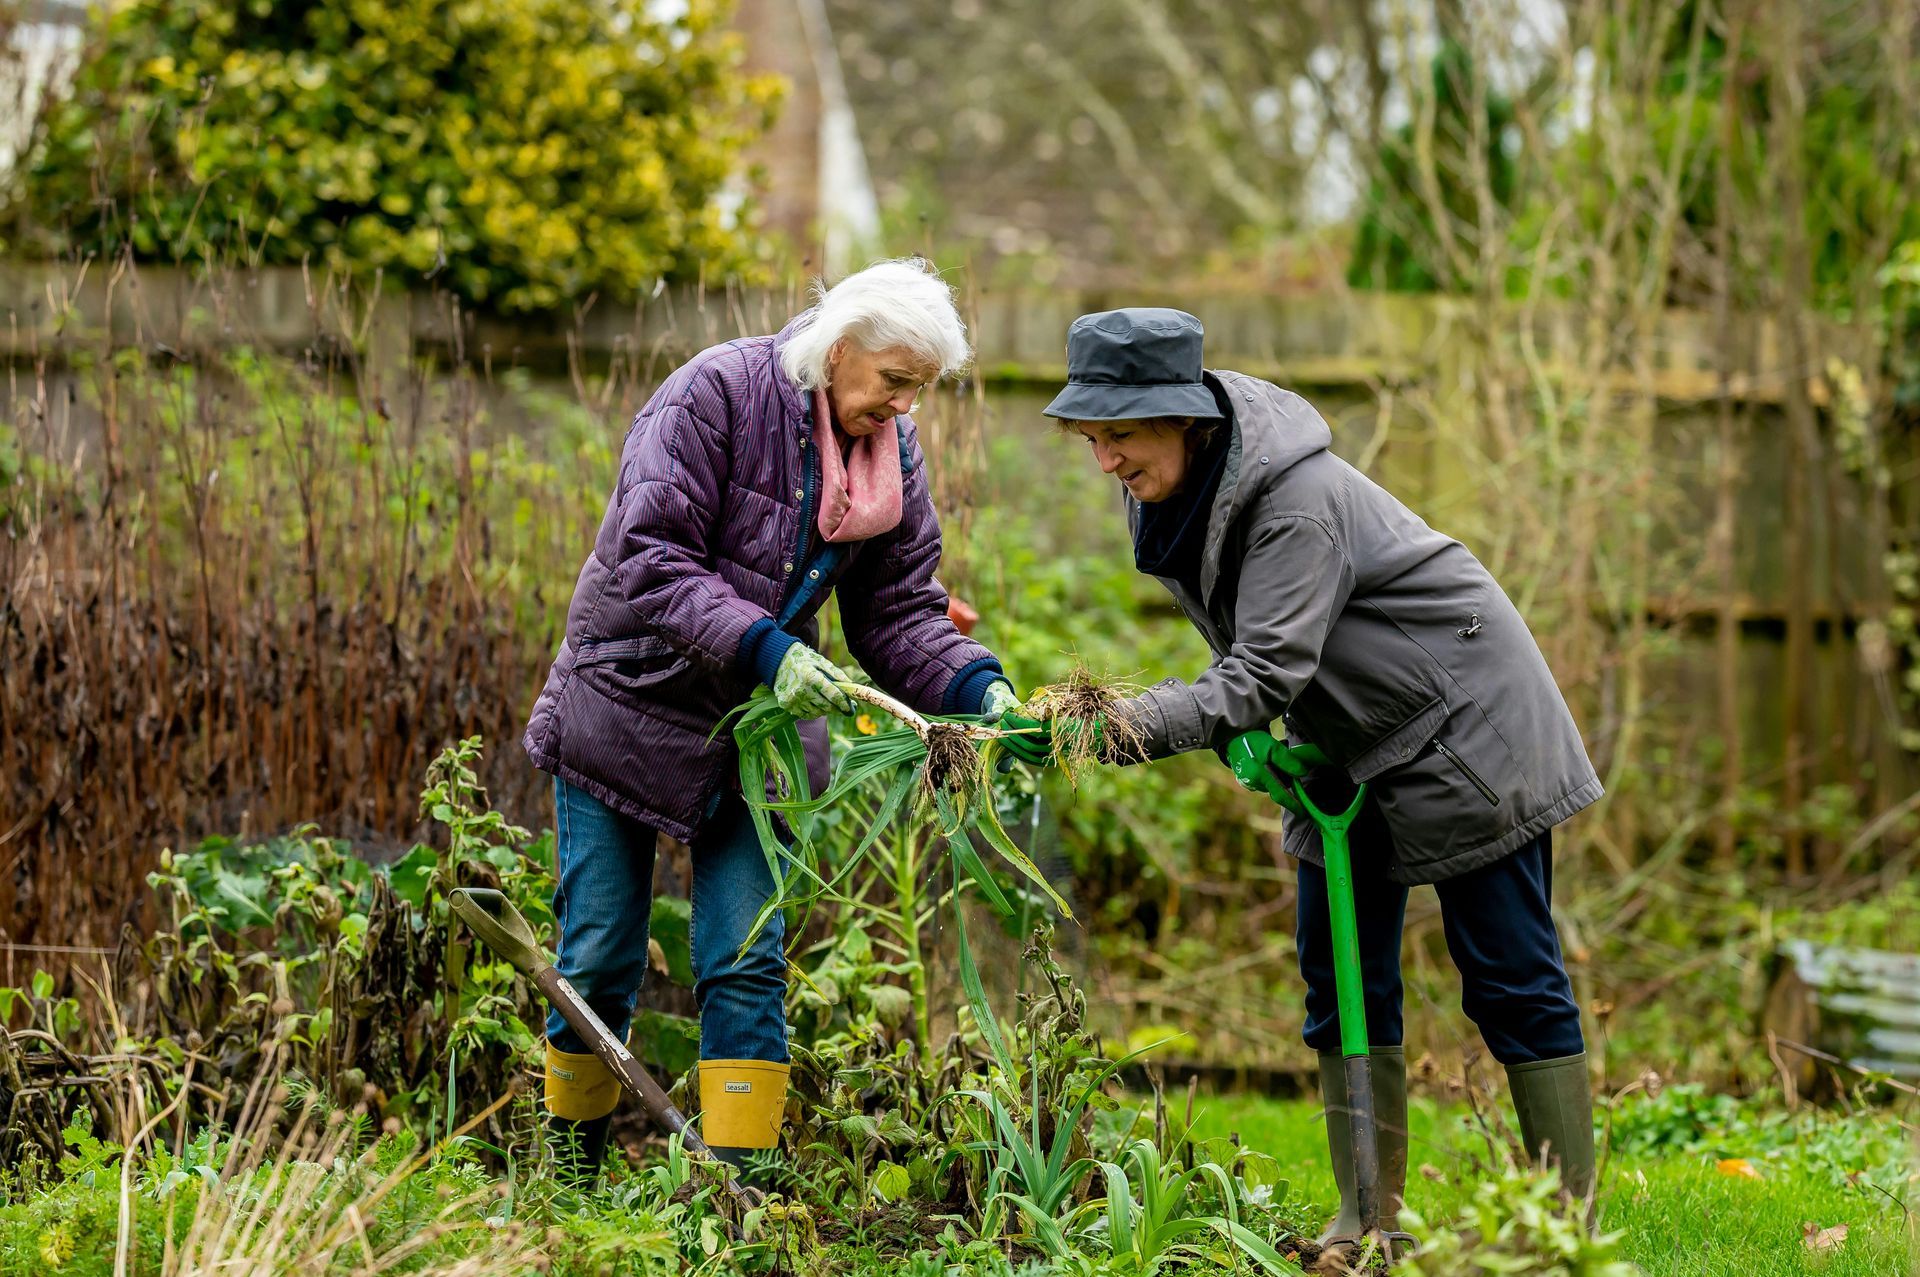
521, 153
1679, 1118
360, 977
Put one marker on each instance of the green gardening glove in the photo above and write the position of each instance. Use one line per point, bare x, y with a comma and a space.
1265, 766
1033, 745
807, 684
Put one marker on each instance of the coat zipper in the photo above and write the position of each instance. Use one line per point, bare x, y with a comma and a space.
809, 490
1485, 791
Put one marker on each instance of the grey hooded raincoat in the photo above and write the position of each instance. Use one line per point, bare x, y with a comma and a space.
1330, 604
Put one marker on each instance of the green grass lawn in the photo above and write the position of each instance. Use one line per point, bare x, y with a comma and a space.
1681, 1215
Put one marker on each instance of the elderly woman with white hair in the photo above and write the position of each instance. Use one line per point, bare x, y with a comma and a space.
764, 475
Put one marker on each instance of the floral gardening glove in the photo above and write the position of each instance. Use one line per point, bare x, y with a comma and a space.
806, 684
999, 699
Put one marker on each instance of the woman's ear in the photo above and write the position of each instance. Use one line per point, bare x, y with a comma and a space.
834, 354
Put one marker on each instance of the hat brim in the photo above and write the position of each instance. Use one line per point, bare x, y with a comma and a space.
1107, 401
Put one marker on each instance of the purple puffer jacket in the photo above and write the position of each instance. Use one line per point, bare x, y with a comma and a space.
699, 542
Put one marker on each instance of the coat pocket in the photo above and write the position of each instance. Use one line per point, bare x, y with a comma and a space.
1472, 777
628, 669
1399, 744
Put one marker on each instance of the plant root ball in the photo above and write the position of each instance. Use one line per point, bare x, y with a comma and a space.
1080, 699
953, 764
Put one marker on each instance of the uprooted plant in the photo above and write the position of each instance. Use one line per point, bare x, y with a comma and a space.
931, 772
945, 762
899, 803
1087, 720
930, 764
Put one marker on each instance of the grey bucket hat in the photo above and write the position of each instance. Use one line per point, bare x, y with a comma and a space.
1141, 361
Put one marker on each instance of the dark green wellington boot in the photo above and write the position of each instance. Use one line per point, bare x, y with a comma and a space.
1554, 1101
1390, 1115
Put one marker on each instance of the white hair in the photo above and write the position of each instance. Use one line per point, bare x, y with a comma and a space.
898, 303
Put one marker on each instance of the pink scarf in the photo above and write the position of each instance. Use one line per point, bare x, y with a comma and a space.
860, 489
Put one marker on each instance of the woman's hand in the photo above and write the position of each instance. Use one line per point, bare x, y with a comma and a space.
1264, 765
999, 699
1033, 745
807, 684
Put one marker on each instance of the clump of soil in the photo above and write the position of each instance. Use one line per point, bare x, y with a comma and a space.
953, 764
1083, 711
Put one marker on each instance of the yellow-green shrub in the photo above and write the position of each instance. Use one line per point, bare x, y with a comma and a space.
520, 152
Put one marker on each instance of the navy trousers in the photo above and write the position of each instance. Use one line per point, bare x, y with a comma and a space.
1500, 934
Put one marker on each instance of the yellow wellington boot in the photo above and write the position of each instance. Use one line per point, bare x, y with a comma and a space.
743, 1104
581, 1095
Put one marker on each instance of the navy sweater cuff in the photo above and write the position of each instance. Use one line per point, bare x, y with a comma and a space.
763, 647
969, 687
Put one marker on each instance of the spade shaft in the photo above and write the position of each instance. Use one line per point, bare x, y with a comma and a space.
1355, 1048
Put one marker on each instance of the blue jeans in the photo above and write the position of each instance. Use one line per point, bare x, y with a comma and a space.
603, 899
1500, 935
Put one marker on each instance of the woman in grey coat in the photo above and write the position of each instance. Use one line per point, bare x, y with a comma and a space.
1332, 607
